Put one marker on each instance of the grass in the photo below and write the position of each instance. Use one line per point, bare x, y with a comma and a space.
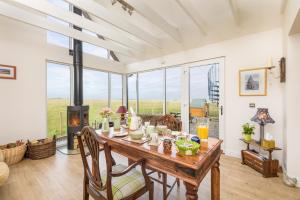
57, 111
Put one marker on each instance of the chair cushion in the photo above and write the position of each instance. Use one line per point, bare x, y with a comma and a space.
126, 184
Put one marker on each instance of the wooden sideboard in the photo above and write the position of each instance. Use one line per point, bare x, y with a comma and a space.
268, 167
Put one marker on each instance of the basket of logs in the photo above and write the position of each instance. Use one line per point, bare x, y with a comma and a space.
43, 148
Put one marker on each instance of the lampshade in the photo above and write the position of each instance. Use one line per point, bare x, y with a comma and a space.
262, 116
122, 109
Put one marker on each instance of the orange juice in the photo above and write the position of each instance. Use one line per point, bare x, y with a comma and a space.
202, 132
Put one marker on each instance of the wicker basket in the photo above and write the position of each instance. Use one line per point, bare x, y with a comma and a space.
15, 154
41, 150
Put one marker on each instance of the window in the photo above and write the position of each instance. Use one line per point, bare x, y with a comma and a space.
151, 92
173, 90
92, 49
116, 91
132, 92
95, 92
58, 94
56, 38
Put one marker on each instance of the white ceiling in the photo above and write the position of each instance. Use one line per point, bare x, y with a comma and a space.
160, 27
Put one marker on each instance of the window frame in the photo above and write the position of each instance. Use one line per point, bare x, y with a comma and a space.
164, 69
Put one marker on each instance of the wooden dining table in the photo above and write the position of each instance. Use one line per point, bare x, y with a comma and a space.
190, 169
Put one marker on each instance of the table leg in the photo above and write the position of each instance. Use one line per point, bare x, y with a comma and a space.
215, 181
191, 191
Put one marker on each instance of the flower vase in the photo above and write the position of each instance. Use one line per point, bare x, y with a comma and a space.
105, 125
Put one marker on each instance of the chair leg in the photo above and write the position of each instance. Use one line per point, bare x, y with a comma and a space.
164, 186
151, 191
85, 192
178, 182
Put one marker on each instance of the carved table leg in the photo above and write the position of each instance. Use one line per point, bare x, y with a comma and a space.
215, 181
191, 191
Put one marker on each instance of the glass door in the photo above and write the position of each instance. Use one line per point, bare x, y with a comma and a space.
205, 99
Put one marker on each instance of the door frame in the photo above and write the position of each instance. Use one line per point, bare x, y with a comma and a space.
185, 97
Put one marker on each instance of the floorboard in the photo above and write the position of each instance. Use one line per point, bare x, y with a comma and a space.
60, 178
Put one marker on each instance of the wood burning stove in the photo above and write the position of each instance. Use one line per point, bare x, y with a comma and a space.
77, 115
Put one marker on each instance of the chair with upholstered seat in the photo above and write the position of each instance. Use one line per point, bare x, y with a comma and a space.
117, 181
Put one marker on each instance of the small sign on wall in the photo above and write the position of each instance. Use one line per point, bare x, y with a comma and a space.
8, 72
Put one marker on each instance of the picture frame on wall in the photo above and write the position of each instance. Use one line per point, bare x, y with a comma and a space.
8, 72
253, 82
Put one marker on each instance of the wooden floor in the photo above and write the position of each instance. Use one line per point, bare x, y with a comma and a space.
60, 177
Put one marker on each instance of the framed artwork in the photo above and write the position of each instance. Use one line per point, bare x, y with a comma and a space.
253, 82
8, 72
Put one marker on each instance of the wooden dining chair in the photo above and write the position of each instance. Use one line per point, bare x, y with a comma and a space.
173, 124
117, 181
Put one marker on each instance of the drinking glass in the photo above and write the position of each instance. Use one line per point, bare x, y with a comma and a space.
202, 129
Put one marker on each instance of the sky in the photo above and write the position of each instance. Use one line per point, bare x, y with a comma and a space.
95, 83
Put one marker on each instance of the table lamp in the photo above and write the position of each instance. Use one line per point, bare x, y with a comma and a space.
262, 117
122, 110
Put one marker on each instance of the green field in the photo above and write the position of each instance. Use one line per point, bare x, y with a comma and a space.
57, 111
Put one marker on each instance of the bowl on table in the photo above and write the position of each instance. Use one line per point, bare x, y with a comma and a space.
187, 148
136, 135
161, 129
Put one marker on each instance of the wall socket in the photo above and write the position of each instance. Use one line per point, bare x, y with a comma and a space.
251, 105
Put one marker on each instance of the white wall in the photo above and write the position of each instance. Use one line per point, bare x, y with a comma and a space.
23, 101
292, 88
249, 51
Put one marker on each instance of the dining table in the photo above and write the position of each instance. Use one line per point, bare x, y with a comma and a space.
189, 169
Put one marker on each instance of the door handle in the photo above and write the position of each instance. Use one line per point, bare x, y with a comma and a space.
221, 109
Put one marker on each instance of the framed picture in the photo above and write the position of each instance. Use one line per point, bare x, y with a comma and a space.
8, 72
253, 82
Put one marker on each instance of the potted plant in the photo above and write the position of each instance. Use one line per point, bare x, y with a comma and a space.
248, 130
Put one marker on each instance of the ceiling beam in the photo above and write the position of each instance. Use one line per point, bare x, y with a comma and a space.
155, 18
103, 29
116, 20
189, 10
235, 11
41, 22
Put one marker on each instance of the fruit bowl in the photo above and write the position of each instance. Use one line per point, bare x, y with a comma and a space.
187, 148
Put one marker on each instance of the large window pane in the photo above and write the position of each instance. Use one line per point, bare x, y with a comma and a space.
116, 91
58, 93
204, 97
94, 50
95, 92
56, 38
151, 92
173, 90
132, 93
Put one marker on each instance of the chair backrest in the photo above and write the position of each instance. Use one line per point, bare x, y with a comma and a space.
171, 122
94, 145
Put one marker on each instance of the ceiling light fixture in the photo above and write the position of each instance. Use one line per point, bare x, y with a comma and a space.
126, 6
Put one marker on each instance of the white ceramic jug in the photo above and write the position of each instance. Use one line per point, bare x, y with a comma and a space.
135, 121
